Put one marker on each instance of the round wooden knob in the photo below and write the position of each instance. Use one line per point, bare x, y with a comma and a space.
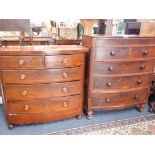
65, 61
22, 76
21, 62
136, 96
64, 104
113, 53
24, 92
142, 67
110, 68
107, 100
26, 108
109, 84
64, 75
145, 52
139, 82
65, 90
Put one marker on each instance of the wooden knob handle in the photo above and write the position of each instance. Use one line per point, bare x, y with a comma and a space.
26, 108
22, 76
64, 104
110, 68
64, 75
107, 100
24, 92
113, 53
65, 61
136, 96
142, 67
65, 90
21, 62
139, 82
109, 84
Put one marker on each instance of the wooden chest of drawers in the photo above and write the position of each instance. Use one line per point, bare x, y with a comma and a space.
42, 84
120, 72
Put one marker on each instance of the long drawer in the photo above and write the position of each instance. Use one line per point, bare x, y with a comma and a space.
21, 62
111, 53
125, 82
41, 76
64, 61
119, 99
45, 106
38, 91
129, 67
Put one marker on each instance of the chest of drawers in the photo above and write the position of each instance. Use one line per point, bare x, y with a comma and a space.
120, 72
42, 83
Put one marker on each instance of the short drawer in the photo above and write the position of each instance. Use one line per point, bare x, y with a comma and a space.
130, 67
142, 52
38, 91
21, 61
64, 61
41, 76
112, 53
125, 82
120, 99
45, 106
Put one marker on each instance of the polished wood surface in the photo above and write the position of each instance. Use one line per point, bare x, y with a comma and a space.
42, 83
120, 72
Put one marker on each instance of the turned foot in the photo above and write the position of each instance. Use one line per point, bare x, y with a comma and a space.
152, 108
79, 116
141, 107
11, 126
90, 114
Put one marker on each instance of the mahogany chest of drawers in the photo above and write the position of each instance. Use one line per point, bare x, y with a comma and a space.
42, 83
120, 72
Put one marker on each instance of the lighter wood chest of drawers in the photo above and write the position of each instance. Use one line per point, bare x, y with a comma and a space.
42, 84
120, 72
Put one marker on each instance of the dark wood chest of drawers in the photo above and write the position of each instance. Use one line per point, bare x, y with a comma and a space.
120, 72
43, 83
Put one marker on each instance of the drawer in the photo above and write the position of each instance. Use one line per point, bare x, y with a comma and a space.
45, 106
38, 91
142, 52
110, 68
126, 82
102, 54
119, 99
42, 76
64, 61
21, 62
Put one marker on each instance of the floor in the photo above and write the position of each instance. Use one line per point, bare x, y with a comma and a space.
45, 128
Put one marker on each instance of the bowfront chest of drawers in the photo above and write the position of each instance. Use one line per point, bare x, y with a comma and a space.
42, 83
120, 72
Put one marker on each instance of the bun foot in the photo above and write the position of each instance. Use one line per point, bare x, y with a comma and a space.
141, 107
11, 126
90, 114
79, 117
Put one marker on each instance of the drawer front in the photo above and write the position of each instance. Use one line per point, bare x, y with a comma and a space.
142, 52
127, 82
41, 76
21, 62
118, 99
64, 61
102, 54
111, 68
45, 106
28, 92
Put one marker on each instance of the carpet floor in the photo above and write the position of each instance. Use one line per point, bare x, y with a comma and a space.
100, 118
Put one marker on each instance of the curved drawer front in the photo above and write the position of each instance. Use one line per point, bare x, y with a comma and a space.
102, 54
27, 92
21, 61
64, 61
142, 52
45, 106
127, 82
41, 76
122, 67
119, 99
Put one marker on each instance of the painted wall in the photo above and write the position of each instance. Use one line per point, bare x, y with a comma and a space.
0, 100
